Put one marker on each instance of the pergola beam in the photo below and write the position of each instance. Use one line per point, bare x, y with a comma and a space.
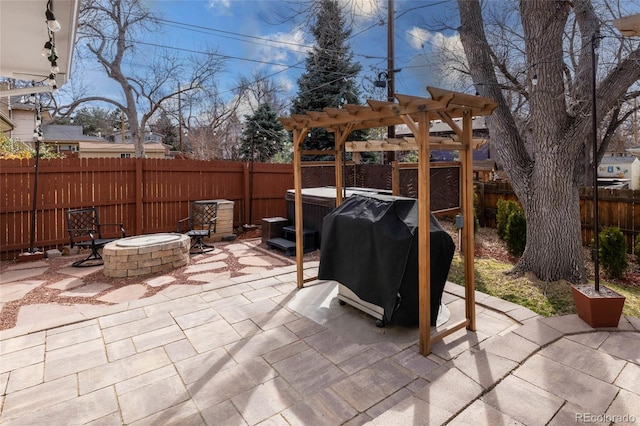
408, 144
629, 26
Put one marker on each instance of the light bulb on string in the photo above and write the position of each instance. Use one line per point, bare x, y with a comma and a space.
46, 50
54, 67
52, 79
52, 22
53, 55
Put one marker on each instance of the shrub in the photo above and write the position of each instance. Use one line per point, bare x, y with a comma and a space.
516, 232
505, 207
16, 149
638, 250
613, 252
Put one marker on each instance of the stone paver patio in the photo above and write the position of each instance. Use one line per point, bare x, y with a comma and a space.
254, 349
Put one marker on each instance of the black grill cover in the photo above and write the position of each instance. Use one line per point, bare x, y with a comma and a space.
370, 245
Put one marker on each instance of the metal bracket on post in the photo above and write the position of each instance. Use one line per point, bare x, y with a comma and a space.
459, 226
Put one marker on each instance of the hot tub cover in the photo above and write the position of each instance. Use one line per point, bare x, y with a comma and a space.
370, 245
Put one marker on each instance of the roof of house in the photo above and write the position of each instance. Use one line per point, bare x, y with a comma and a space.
618, 159
6, 123
117, 147
66, 132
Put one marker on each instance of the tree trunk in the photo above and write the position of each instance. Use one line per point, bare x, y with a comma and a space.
552, 208
545, 179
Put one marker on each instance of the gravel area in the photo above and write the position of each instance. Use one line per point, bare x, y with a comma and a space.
43, 293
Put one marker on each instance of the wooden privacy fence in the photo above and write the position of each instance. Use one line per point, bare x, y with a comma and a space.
150, 195
146, 195
616, 207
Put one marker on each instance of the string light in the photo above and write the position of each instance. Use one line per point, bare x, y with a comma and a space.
48, 46
49, 50
52, 22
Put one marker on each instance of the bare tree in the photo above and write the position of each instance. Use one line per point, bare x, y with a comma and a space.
542, 133
261, 89
113, 33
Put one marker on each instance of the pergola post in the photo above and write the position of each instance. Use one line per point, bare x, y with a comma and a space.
468, 217
424, 234
340, 137
298, 138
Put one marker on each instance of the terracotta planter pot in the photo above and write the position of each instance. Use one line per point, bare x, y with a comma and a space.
601, 309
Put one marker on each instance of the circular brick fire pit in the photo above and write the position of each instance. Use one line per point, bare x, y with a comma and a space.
145, 254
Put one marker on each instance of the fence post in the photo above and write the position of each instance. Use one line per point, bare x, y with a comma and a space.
139, 191
246, 193
481, 213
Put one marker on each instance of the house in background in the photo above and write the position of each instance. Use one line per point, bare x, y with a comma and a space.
619, 171
6, 123
66, 139
23, 119
440, 128
69, 141
148, 137
106, 149
484, 167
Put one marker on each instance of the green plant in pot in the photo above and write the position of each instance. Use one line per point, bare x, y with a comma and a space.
598, 305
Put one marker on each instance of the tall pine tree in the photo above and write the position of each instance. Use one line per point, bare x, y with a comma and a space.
263, 136
330, 76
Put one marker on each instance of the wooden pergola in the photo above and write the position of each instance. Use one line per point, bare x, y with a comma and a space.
629, 26
416, 113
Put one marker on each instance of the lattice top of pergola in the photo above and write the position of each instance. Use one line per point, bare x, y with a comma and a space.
443, 104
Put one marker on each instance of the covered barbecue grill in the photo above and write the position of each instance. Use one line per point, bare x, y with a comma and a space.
370, 246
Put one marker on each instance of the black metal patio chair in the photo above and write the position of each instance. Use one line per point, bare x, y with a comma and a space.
85, 230
203, 216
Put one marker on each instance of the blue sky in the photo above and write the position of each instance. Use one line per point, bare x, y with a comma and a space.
285, 44
248, 33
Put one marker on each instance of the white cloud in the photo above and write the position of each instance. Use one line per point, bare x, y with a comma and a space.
221, 7
364, 10
286, 47
451, 44
418, 37
450, 54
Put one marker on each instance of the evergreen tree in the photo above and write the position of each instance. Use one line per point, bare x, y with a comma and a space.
330, 76
263, 137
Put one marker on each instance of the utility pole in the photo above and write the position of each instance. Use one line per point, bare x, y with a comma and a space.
391, 86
